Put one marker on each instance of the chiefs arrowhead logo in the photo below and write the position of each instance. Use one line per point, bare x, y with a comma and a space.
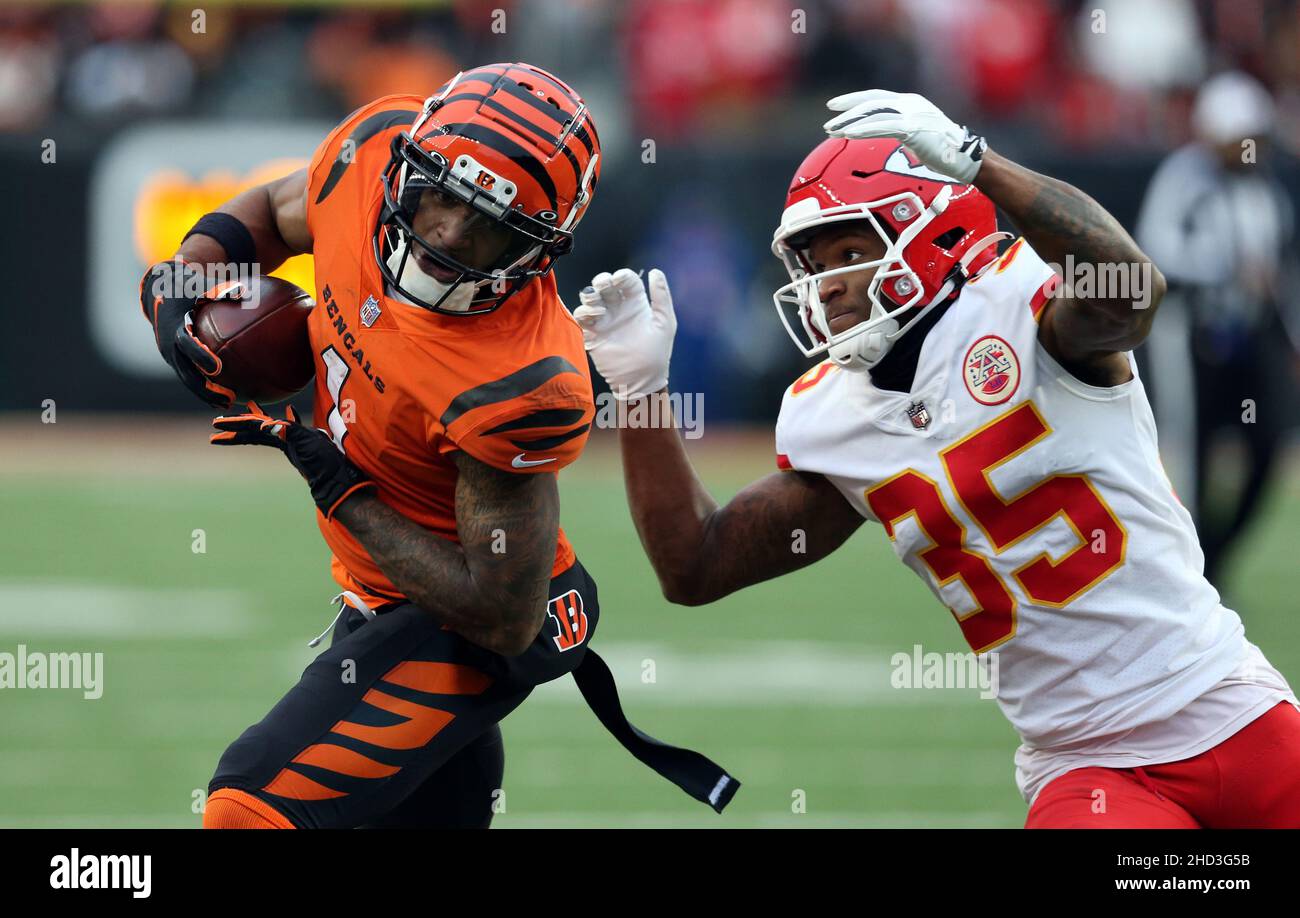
904, 162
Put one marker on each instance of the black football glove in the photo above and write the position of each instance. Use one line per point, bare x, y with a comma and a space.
331, 477
168, 292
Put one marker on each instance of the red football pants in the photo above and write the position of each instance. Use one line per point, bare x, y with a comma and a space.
1250, 780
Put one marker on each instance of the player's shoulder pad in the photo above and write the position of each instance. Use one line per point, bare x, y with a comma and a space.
809, 379
354, 139
1017, 279
789, 422
534, 419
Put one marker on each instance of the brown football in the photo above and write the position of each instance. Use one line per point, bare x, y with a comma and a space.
259, 330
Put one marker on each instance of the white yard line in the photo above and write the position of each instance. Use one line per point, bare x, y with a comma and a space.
754, 674
103, 821
34, 609
746, 674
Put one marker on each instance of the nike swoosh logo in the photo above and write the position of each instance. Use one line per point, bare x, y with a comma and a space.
520, 462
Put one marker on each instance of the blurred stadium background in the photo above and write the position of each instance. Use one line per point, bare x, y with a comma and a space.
121, 123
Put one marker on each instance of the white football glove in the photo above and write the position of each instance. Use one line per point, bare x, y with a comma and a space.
936, 139
628, 334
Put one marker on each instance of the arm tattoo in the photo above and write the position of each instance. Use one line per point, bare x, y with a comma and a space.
1057, 218
1063, 223
492, 586
1062, 220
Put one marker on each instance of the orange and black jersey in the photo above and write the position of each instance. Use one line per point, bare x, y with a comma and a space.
400, 387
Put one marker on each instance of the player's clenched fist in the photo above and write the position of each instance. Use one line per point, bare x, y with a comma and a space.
627, 332
916, 122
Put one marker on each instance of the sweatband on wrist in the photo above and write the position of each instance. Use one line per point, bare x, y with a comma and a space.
230, 233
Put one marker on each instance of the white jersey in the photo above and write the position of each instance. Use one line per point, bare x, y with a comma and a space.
1037, 510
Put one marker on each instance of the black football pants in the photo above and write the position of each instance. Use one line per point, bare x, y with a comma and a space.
395, 725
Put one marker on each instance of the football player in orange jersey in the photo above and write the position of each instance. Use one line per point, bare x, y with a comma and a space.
451, 386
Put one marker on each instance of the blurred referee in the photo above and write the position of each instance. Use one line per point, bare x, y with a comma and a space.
1219, 225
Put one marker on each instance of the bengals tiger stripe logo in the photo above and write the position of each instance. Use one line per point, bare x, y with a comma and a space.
570, 620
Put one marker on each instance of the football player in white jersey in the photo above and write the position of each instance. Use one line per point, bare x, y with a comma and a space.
991, 419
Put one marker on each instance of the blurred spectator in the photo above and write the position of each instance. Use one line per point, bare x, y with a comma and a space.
129, 67
29, 67
1008, 52
1220, 226
1123, 72
866, 42
985, 56
696, 61
363, 58
1055, 72
1139, 45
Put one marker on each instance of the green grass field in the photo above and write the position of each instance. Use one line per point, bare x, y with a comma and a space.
786, 684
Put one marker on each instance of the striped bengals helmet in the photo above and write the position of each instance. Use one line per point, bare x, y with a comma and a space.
519, 148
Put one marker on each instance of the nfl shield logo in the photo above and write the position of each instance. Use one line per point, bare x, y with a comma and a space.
369, 311
919, 416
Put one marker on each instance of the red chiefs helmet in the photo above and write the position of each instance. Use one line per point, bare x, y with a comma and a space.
517, 146
936, 233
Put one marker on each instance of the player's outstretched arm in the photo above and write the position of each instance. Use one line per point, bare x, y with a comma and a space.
700, 551
492, 587
1087, 335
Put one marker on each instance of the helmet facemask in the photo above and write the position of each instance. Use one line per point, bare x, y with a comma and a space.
531, 242
895, 290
